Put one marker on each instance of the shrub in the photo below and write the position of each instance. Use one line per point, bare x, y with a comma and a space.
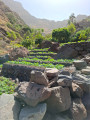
61, 35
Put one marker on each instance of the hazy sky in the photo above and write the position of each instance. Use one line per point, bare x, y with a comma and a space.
56, 9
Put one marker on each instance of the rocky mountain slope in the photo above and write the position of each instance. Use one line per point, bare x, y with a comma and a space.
10, 27
34, 22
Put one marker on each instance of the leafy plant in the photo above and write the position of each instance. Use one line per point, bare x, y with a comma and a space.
49, 65
6, 85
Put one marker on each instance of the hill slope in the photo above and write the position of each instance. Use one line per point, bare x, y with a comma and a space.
10, 27
34, 22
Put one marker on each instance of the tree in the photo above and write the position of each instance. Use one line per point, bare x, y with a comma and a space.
61, 35
71, 19
71, 28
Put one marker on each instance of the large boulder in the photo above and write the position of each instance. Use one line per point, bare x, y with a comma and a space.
66, 52
54, 47
78, 110
33, 113
59, 100
18, 52
32, 93
80, 64
39, 77
9, 108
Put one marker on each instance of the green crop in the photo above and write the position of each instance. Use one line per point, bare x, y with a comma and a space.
49, 65
6, 85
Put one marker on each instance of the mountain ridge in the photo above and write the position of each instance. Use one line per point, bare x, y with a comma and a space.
33, 22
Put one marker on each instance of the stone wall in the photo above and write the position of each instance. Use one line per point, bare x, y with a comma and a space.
69, 51
21, 72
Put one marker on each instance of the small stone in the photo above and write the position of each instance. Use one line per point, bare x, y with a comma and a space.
33, 113
86, 71
39, 78
51, 72
65, 82
65, 72
80, 64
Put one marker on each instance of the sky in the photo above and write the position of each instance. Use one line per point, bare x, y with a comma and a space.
56, 9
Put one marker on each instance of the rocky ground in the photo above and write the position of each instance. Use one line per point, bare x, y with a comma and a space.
51, 95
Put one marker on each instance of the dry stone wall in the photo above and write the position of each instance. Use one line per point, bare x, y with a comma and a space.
73, 50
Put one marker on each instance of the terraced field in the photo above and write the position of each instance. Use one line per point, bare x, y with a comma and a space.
42, 58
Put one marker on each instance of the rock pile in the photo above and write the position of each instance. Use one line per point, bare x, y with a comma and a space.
53, 93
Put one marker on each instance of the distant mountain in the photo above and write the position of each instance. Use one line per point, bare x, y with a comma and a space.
34, 22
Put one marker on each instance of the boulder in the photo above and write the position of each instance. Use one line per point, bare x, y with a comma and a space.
65, 82
83, 82
32, 93
78, 110
59, 116
54, 47
18, 52
87, 59
33, 113
51, 72
86, 71
59, 100
45, 44
76, 91
4, 58
66, 52
9, 108
65, 72
39, 78
80, 64
86, 102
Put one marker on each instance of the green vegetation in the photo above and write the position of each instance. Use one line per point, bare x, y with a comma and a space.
43, 52
47, 60
61, 35
6, 85
49, 65
1, 65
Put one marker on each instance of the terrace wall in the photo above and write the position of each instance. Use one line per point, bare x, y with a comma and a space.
22, 72
69, 51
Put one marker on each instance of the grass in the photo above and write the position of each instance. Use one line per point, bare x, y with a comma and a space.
49, 65
6, 86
